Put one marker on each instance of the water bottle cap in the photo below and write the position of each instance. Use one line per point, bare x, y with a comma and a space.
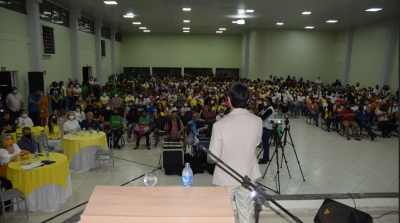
187, 165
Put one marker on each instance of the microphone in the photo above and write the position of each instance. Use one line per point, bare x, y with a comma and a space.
191, 140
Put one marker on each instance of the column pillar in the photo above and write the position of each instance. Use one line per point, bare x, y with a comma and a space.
32, 8
347, 57
112, 40
74, 15
246, 53
389, 51
97, 40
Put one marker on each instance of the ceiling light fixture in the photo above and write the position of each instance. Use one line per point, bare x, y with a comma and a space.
240, 22
146, 31
110, 2
234, 21
279, 23
142, 27
222, 28
331, 21
186, 27
129, 15
241, 11
306, 13
250, 10
218, 31
187, 9
186, 31
136, 23
187, 21
309, 27
373, 9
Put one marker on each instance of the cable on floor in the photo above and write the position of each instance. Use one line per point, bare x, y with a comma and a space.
355, 207
135, 162
386, 214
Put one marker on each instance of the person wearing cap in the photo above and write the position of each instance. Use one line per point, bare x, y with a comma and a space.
33, 107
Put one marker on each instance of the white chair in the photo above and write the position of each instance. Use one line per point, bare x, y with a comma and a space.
101, 154
42, 142
9, 195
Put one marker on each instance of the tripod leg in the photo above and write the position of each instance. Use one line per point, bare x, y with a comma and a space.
284, 133
277, 167
296, 156
257, 212
273, 154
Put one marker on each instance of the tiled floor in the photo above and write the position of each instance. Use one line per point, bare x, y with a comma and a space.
330, 164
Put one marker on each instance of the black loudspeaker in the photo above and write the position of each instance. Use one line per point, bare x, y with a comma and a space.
36, 82
335, 212
172, 157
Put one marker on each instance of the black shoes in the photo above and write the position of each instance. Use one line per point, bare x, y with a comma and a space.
263, 161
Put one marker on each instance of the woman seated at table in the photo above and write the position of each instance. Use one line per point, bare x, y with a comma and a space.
71, 124
9, 151
53, 133
79, 114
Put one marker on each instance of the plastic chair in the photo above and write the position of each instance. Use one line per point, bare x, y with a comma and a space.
160, 125
104, 152
9, 195
19, 136
42, 142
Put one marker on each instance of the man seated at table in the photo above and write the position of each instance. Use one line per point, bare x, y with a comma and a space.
105, 117
89, 122
116, 125
174, 125
6, 122
24, 120
27, 142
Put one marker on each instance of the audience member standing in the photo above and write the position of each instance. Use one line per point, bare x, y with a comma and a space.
43, 110
15, 103
33, 107
55, 96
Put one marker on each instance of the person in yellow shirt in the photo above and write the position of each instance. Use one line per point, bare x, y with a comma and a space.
330, 116
53, 133
193, 102
358, 87
129, 97
222, 106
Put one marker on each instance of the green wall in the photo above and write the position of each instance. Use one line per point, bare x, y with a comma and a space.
181, 50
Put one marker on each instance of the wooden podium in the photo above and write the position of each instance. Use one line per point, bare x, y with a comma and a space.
175, 204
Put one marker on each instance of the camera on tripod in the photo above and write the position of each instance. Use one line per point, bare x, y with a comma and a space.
275, 121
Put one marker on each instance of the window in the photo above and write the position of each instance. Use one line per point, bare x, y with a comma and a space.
103, 48
86, 25
54, 13
137, 70
105, 32
48, 40
197, 71
229, 72
15, 5
167, 71
118, 37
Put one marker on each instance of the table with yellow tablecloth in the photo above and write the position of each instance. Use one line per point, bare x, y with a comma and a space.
45, 187
81, 150
36, 130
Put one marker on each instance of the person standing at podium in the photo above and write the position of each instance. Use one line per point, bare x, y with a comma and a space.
234, 140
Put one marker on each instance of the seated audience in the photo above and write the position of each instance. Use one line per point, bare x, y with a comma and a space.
24, 120
209, 114
383, 120
9, 151
71, 124
313, 109
53, 133
6, 122
192, 123
174, 126
116, 125
362, 119
79, 114
89, 122
27, 142
220, 115
330, 116
144, 121
132, 118
105, 117
348, 120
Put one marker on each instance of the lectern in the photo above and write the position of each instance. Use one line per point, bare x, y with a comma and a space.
160, 204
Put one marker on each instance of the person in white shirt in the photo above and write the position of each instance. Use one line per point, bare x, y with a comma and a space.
76, 92
220, 115
302, 104
170, 108
393, 109
385, 93
318, 81
79, 115
24, 120
71, 124
376, 90
9, 151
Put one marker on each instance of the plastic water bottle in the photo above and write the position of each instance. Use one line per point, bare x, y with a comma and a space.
36, 154
77, 130
90, 131
23, 122
98, 130
84, 131
187, 176
47, 153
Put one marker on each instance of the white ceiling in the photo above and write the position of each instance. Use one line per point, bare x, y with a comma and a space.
206, 16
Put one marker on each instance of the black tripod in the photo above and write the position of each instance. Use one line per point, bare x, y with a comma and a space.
260, 195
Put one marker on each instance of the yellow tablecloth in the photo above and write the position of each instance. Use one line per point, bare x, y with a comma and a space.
28, 180
71, 145
36, 130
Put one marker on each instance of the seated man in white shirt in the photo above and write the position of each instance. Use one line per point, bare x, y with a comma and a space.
24, 120
220, 115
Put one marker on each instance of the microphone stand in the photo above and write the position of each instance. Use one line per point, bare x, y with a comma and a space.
260, 195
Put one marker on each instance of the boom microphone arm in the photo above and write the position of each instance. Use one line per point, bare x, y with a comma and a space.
260, 195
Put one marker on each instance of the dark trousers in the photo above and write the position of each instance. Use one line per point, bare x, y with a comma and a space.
147, 135
329, 120
117, 135
366, 126
384, 127
7, 185
265, 137
35, 118
14, 115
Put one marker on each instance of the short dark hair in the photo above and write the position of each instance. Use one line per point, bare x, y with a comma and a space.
239, 94
25, 128
269, 99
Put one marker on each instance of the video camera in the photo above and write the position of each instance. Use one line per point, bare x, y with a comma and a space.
275, 121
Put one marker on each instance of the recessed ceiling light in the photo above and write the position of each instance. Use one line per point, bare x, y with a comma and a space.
222, 28
218, 31
136, 23
279, 23
373, 9
142, 27
309, 27
234, 21
110, 2
186, 9
146, 31
240, 22
306, 13
331, 21
187, 21
241, 11
129, 15
186, 27
186, 31
250, 10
